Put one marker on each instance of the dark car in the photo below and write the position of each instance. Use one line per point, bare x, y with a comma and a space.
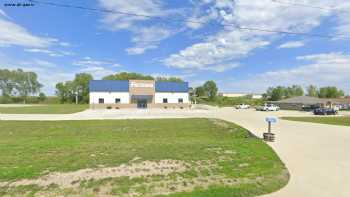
310, 108
325, 111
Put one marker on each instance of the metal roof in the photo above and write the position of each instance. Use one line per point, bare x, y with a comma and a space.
163, 86
307, 100
109, 86
302, 100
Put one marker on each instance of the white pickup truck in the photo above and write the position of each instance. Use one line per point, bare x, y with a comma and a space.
242, 106
268, 107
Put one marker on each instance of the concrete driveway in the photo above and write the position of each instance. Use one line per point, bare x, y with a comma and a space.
316, 155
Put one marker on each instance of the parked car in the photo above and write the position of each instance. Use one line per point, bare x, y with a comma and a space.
325, 111
310, 108
242, 106
268, 107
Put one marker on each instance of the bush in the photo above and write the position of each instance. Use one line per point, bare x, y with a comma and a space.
29, 100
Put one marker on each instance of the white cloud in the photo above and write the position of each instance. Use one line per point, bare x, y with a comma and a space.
44, 63
45, 51
181, 76
237, 44
89, 62
343, 19
117, 21
292, 44
3, 13
145, 37
97, 72
13, 34
49, 52
217, 53
64, 44
98, 68
328, 69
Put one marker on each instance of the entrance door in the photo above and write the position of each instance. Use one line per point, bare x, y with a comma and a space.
142, 103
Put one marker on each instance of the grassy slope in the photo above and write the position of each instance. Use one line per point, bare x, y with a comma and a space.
339, 120
29, 148
45, 109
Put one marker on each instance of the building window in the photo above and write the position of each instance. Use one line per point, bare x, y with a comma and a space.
180, 100
117, 100
101, 100
165, 100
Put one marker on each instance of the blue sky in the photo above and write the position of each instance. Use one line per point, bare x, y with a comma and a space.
57, 42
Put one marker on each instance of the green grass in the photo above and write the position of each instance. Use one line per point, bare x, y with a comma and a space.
32, 148
44, 109
222, 101
339, 120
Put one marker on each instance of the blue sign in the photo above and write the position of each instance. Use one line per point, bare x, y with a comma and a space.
271, 119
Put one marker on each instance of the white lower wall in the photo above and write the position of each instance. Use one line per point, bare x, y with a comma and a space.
172, 97
109, 97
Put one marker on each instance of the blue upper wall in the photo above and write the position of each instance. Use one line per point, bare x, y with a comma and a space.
109, 86
162, 86
123, 86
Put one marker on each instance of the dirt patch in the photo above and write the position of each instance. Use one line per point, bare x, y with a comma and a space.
70, 179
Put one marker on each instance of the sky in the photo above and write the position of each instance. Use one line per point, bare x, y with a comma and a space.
192, 39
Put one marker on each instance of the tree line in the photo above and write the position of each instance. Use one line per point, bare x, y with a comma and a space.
19, 84
77, 90
282, 92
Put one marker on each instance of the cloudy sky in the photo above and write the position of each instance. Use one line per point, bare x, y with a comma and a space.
193, 39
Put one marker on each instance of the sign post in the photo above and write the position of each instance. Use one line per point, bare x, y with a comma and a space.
269, 136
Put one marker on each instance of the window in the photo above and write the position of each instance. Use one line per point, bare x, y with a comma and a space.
165, 100
101, 100
180, 100
117, 100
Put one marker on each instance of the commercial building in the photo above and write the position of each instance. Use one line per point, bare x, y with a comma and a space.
117, 94
300, 102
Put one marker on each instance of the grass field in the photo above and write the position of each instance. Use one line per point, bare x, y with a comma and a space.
175, 157
339, 120
44, 109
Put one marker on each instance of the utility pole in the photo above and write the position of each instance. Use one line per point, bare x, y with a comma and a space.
76, 96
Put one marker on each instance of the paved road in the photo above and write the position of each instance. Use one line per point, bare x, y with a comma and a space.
316, 155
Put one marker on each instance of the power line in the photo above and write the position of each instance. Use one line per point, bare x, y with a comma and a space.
305, 5
185, 20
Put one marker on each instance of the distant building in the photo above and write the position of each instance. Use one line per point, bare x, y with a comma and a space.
116, 94
234, 95
299, 102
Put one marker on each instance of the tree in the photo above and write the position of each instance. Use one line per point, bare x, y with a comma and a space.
169, 79
293, 91
312, 91
62, 92
42, 97
199, 91
281, 92
210, 89
330, 92
26, 83
81, 86
6, 82
76, 90
19, 83
278, 93
128, 76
